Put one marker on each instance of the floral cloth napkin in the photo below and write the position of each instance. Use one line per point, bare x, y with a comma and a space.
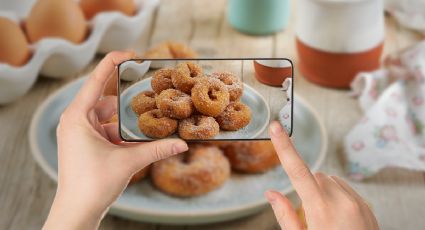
285, 114
392, 131
409, 13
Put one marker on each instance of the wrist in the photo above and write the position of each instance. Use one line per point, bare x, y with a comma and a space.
70, 213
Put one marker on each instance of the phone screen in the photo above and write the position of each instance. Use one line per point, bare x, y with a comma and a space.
204, 99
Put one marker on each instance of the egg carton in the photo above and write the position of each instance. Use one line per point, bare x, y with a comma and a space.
58, 58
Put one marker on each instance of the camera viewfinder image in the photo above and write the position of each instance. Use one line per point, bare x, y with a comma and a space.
204, 99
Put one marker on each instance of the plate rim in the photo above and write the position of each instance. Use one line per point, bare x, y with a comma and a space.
117, 207
131, 134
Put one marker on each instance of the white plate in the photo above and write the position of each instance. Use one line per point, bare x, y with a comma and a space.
258, 105
240, 196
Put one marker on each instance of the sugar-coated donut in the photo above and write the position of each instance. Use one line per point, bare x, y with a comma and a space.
233, 84
180, 50
220, 144
198, 127
236, 116
251, 156
170, 50
210, 96
196, 172
184, 76
161, 80
139, 175
174, 103
143, 102
154, 124
161, 50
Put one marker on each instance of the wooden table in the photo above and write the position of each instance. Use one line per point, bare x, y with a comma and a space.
397, 196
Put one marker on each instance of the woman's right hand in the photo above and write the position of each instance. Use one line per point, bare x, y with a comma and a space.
328, 201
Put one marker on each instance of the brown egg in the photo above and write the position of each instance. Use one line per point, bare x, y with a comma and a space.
56, 18
14, 49
92, 7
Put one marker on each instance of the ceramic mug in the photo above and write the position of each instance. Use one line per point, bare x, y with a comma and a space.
258, 17
272, 72
336, 39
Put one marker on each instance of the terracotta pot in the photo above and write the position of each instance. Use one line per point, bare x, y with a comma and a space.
272, 72
337, 39
335, 70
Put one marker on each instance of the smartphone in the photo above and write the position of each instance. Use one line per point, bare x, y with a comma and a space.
204, 99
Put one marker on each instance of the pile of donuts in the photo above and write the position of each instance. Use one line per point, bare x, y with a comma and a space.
195, 105
207, 167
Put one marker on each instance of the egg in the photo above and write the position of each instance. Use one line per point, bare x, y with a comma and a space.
14, 47
56, 19
93, 7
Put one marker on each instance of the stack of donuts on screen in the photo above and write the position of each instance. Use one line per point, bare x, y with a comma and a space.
195, 105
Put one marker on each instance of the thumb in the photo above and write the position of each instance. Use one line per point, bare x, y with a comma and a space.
142, 155
283, 210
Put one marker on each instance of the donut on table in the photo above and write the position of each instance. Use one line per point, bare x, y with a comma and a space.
139, 175
196, 172
180, 50
198, 127
236, 116
155, 125
143, 102
210, 96
159, 51
174, 103
251, 156
171, 49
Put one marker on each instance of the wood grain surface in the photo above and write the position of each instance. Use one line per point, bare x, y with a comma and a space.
397, 196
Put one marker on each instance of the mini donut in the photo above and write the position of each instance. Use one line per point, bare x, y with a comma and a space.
154, 124
174, 103
180, 50
159, 51
210, 96
220, 144
143, 102
170, 50
198, 127
233, 84
251, 156
196, 172
139, 175
161, 80
236, 116
183, 77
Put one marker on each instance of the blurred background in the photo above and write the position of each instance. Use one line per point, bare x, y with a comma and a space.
359, 63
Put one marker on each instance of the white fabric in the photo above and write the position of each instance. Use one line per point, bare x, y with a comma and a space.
409, 13
392, 131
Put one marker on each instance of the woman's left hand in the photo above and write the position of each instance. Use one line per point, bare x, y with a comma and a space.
94, 166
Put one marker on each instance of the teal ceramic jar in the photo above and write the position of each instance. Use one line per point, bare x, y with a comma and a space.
258, 17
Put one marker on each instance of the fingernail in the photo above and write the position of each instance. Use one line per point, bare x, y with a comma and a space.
270, 197
276, 128
179, 147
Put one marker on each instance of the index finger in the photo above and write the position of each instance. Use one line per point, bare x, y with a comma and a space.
298, 172
93, 88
